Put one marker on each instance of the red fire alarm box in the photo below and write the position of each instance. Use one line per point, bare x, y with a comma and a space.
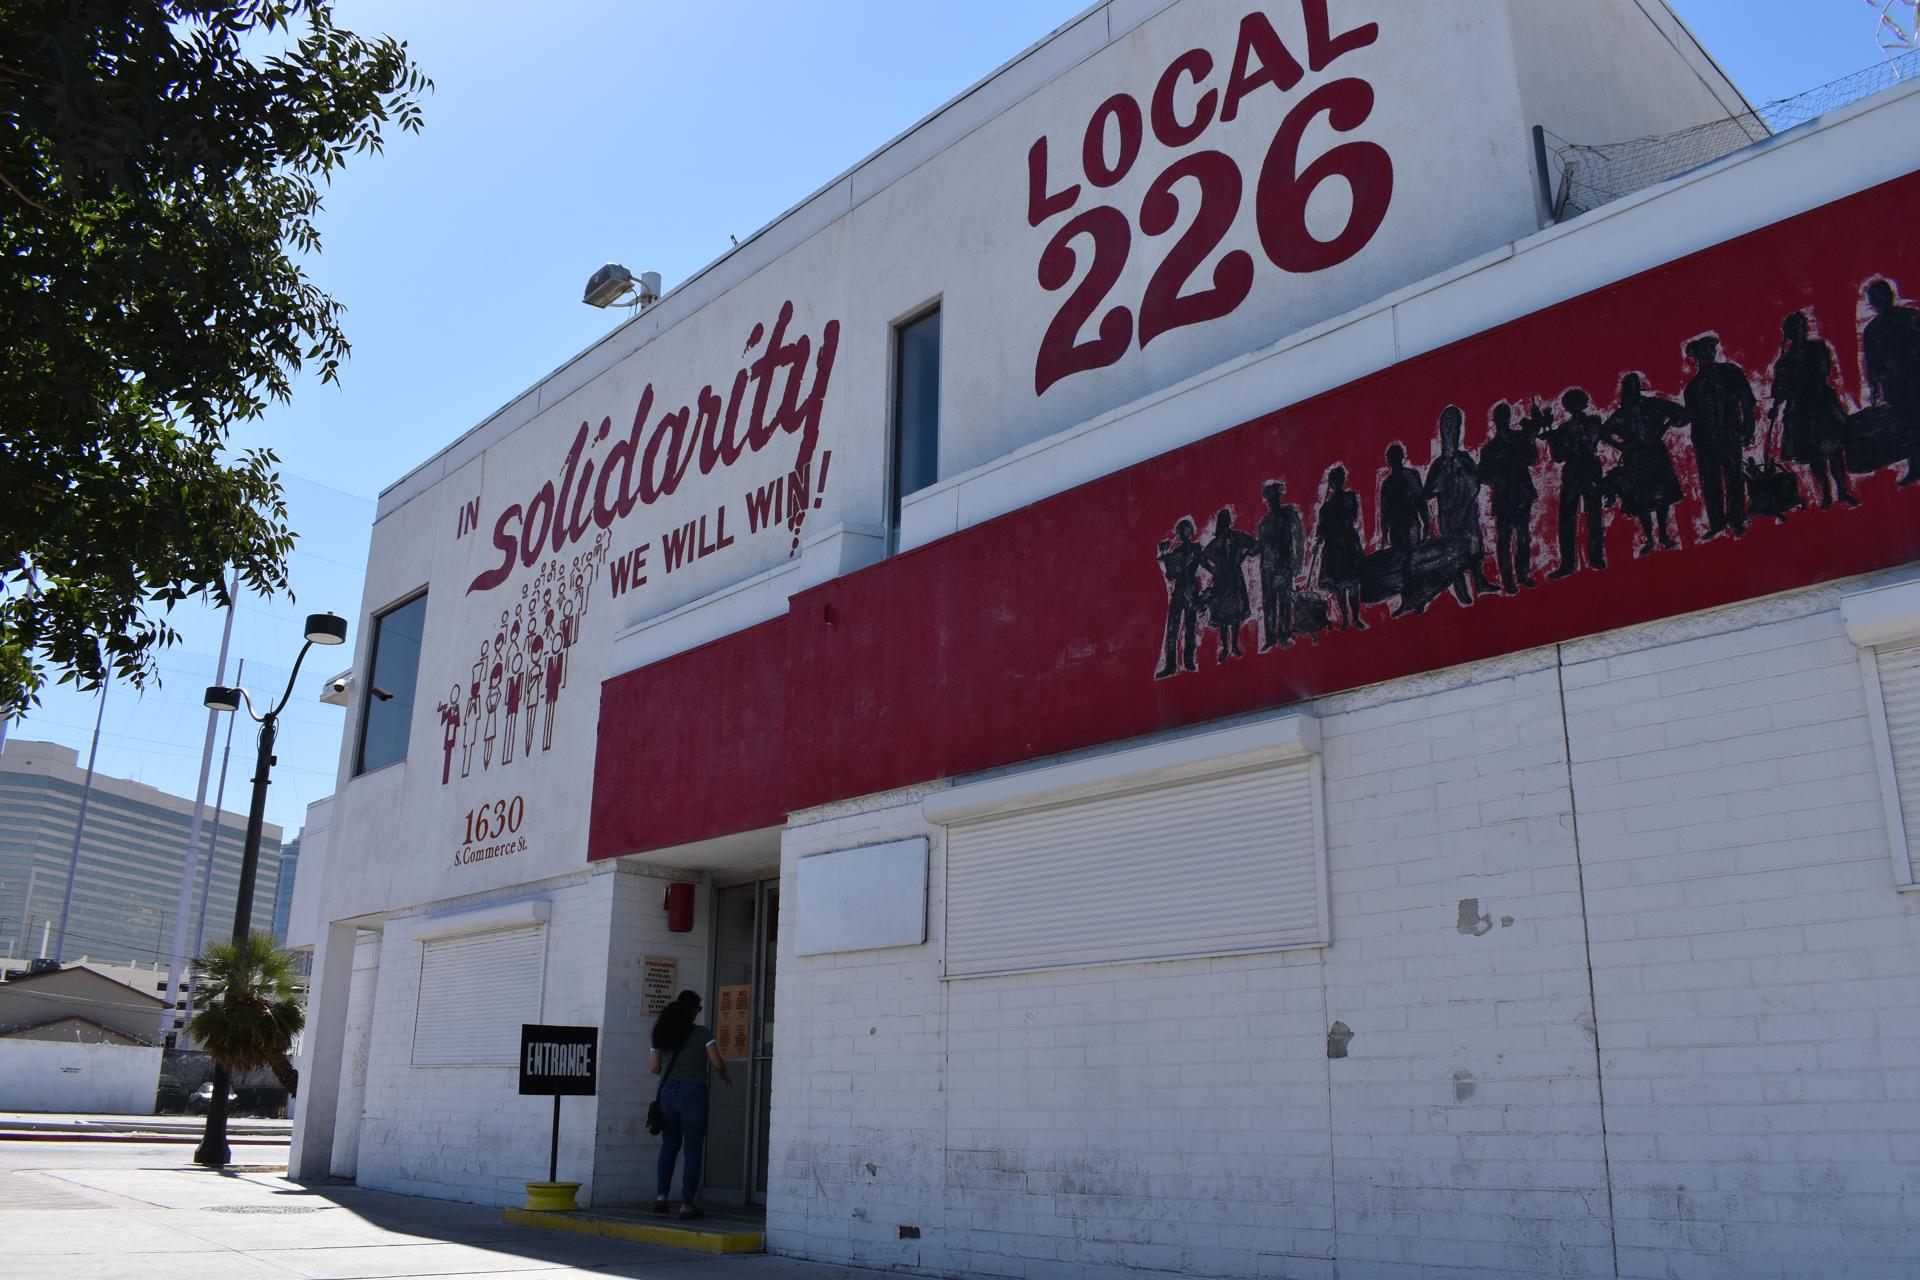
679, 904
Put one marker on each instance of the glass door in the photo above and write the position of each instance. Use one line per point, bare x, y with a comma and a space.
740, 1011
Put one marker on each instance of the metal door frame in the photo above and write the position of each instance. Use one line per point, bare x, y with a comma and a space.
764, 882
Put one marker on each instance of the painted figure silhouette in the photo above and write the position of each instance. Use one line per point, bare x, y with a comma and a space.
1720, 412
1506, 465
1575, 445
536, 674
1892, 342
1813, 426
1648, 484
1336, 530
516, 677
1282, 544
556, 673
496, 679
1224, 560
472, 716
1180, 561
450, 733
1453, 486
1403, 522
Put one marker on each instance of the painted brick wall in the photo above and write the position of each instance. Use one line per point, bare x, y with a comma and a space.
859, 1088
464, 1133
625, 1154
358, 1043
1466, 1125
1749, 1010
1757, 978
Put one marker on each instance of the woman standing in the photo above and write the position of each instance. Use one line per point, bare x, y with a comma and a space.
1649, 484
1814, 423
1337, 530
1228, 606
682, 1051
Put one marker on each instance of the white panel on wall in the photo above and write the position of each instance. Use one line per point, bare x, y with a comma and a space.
1900, 699
475, 991
1229, 863
861, 899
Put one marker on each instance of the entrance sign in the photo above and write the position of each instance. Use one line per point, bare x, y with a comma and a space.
558, 1060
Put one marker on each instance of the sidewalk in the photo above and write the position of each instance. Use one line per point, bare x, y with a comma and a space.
173, 1222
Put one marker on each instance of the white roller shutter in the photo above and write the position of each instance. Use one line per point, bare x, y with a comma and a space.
1900, 697
1228, 863
475, 991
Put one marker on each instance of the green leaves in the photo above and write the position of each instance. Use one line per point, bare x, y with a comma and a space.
157, 190
248, 1012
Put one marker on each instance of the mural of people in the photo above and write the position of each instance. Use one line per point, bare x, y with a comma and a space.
1646, 481
450, 732
1336, 533
1282, 546
1403, 523
1892, 344
1575, 445
1720, 412
1453, 486
1180, 561
1718, 406
1506, 466
1813, 423
1224, 559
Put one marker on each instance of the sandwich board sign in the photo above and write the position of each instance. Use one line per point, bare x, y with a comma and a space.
560, 1061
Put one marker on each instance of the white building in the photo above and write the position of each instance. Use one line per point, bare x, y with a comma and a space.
1550, 929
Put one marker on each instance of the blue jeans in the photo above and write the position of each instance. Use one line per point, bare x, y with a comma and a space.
683, 1105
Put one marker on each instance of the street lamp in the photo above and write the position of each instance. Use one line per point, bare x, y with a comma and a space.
322, 628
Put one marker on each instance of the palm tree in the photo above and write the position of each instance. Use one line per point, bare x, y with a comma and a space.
248, 1016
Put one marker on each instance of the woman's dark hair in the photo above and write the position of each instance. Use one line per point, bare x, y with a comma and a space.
671, 1028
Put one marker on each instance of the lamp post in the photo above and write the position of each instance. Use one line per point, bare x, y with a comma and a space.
322, 628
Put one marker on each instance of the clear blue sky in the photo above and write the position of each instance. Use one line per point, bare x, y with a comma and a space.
642, 133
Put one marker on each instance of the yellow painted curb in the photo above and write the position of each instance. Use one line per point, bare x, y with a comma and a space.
674, 1237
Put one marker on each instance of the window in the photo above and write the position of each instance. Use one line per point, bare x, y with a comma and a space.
386, 716
1885, 624
1206, 846
1896, 722
475, 991
916, 412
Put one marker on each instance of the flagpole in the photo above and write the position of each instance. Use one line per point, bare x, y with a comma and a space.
80, 823
169, 1014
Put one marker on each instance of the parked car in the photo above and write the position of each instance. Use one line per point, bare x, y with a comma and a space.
171, 1095
203, 1098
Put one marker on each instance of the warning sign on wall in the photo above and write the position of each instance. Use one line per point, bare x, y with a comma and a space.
732, 1016
658, 977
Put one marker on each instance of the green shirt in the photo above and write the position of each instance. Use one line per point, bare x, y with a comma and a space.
691, 1066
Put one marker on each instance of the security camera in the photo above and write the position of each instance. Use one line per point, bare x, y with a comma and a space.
338, 684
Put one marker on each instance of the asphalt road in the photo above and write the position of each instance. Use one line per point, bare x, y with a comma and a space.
114, 1210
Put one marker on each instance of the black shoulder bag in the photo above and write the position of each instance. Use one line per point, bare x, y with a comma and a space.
655, 1121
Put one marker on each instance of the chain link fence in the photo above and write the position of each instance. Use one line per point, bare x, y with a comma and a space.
1586, 175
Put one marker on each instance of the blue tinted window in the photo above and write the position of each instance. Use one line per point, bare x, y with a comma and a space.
387, 697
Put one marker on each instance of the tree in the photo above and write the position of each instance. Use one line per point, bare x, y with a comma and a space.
248, 1015
160, 173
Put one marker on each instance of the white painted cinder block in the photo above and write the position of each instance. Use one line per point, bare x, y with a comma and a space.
1691, 913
